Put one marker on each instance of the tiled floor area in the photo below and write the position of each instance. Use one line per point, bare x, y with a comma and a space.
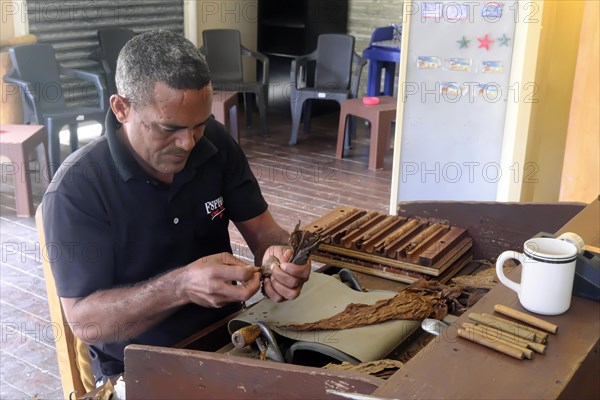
299, 182
28, 366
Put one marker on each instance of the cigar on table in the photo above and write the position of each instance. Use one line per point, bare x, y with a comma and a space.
528, 353
511, 337
528, 319
540, 336
482, 340
485, 319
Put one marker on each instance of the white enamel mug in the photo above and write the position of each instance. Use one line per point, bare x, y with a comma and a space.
548, 270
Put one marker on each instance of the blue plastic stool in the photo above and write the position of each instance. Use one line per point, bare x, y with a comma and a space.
381, 58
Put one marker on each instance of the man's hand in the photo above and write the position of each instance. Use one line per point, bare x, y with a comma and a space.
210, 281
286, 280
125, 312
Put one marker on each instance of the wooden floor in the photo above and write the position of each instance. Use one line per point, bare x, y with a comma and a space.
300, 182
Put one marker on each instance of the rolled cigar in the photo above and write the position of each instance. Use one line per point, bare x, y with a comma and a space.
500, 347
342, 235
414, 242
399, 232
540, 336
377, 228
511, 337
516, 326
481, 318
528, 319
342, 216
346, 240
245, 336
528, 353
537, 347
361, 221
496, 332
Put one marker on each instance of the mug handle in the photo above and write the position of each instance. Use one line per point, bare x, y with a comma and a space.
505, 256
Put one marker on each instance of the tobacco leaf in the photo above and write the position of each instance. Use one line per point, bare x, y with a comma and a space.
485, 279
379, 368
420, 300
303, 243
474, 287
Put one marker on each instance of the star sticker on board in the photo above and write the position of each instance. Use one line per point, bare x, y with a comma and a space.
485, 42
504, 40
464, 43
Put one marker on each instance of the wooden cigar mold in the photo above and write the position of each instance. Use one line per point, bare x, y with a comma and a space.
394, 247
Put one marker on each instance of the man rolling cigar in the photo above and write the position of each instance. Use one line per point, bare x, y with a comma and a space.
139, 218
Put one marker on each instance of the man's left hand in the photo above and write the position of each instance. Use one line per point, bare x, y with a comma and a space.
286, 280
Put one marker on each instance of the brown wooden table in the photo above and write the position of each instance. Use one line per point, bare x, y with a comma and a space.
466, 370
224, 108
16, 143
380, 116
448, 367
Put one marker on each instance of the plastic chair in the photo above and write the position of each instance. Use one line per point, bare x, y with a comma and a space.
224, 50
73, 357
333, 79
37, 73
111, 41
383, 53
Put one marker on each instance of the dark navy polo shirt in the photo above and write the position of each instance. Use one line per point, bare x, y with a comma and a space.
108, 224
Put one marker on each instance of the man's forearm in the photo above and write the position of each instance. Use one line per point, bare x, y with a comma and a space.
260, 233
121, 313
277, 236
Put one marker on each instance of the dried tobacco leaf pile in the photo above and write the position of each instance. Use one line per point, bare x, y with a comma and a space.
474, 287
422, 299
380, 368
485, 279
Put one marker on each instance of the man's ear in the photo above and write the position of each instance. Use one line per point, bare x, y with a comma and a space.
121, 107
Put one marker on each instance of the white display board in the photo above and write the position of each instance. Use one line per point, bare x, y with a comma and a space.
455, 89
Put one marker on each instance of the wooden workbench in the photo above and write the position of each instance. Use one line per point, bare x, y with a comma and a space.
448, 367
568, 369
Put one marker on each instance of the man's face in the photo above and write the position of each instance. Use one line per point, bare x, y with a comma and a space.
162, 134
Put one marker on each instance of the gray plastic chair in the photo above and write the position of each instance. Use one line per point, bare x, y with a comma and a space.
224, 50
38, 75
111, 41
333, 78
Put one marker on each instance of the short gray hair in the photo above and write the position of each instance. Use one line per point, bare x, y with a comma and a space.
159, 56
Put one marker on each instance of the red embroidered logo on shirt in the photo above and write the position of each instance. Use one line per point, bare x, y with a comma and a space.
215, 208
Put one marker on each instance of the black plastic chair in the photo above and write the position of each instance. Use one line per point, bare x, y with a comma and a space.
333, 78
111, 41
224, 50
38, 75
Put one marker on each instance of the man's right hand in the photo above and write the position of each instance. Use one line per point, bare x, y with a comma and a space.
211, 281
